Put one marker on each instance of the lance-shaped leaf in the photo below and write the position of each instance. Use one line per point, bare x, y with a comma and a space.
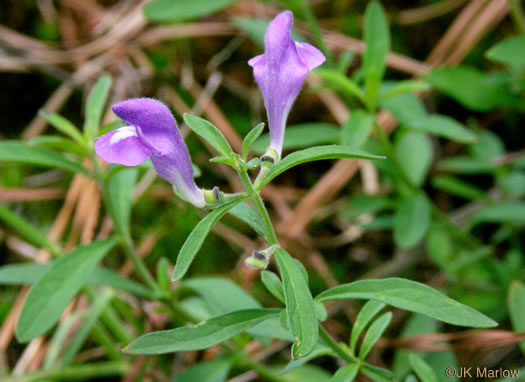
51, 294
201, 336
300, 308
194, 241
411, 296
29, 273
316, 153
210, 133
95, 105
18, 152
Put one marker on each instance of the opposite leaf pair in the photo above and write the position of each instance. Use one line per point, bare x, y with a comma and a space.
152, 132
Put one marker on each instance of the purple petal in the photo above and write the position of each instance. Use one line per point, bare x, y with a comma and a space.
157, 130
122, 146
310, 55
280, 73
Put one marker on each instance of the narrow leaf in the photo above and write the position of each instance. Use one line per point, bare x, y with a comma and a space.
346, 373
120, 189
473, 88
245, 213
221, 295
26, 230
407, 86
373, 334
300, 307
377, 41
516, 304
18, 152
95, 310
319, 351
214, 371
316, 153
341, 82
63, 125
411, 296
194, 241
303, 136
29, 273
422, 369
272, 282
51, 294
209, 133
201, 336
377, 374
357, 128
366, 314
172, 11
446, 127
250, 139
95, 106
457, 187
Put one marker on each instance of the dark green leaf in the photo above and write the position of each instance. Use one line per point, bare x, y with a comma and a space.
18, 152
303, 136
201, 336
51, 294
411, 296
412, 220
300, 307
95, 106
194, 241
316, 153
179, 10
209, 133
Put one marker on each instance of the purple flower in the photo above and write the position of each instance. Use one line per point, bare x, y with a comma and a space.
280, 73
152, 132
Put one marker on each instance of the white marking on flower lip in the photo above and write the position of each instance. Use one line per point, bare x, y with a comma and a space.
123, 133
